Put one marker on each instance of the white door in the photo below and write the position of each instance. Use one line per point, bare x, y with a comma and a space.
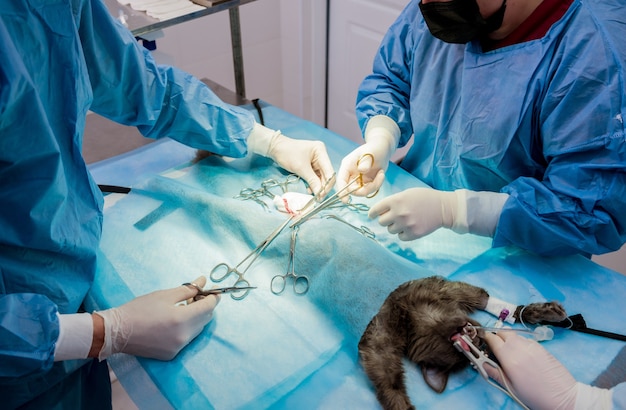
356, 29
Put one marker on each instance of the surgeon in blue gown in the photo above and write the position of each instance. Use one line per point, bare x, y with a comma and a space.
59, 59
517, 113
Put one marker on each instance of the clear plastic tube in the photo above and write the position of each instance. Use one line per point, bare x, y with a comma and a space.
540, 333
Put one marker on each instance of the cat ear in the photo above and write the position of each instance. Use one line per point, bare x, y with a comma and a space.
435, 378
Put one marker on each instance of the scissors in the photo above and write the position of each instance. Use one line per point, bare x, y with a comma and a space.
222, 270
216, 291
300, 282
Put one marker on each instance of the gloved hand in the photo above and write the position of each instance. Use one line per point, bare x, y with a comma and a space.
154, 325
538, 379
306, 158
416, 212
381, 140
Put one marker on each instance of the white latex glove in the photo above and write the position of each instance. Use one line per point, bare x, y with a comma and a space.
416, 212
306, 158
538, 379
381, 140
154, 325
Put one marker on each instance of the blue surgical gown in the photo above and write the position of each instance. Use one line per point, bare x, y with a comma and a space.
59, 59
542, 121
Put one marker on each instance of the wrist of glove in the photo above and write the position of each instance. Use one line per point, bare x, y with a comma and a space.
417, 212
261, 139
477, 212
156, 325
308, 159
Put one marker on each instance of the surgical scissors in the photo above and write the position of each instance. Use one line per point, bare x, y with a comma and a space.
252, 256
216, 291
300, 282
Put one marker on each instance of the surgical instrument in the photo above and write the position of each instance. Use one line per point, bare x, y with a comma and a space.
479, 359
334, 198
268, 184
331, 200
265, 190
356, 207
363, 230
252, 256
300, 282
216, 291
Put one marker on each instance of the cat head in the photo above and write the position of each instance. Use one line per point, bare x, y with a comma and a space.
434, 351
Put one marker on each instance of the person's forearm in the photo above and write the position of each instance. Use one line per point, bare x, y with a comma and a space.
98, 335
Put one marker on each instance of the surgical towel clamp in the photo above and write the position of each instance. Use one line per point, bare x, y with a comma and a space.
300, 282
268, 184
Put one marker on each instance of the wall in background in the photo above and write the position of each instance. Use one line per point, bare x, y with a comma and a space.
284, 47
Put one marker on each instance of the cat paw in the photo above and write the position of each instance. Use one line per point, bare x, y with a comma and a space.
543, 312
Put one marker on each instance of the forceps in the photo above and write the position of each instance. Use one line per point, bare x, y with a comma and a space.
326, 203
300, 282
268, 184
363, 230
226, 269
334, 198
222, 270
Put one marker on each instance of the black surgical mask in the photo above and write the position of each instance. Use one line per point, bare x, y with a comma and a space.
459, 21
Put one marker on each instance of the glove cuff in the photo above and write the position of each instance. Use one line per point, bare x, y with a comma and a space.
590, 397
478, 212
261, 139
382, 128
117, 331
75, 335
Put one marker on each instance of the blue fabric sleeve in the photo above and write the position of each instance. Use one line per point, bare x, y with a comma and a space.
578, 204
130, 88
29, 329
386, 91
